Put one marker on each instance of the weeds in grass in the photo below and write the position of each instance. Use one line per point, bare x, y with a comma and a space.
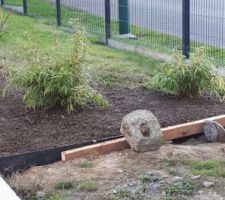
169, 163
88, 186
64, 185
174, 172
213, 168
86, 164
146, 178
29, 192
183, 188
55, 196
125, 194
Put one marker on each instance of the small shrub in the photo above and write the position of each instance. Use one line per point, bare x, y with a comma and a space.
3, 20
190, 78
58, 79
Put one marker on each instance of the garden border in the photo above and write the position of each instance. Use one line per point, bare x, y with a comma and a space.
168, 133
23, 161
20, 162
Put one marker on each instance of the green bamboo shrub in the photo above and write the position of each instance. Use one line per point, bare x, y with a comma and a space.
190, 78
3, 20
59, 78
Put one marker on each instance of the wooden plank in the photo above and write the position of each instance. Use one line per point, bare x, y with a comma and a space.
168, 133
188, 129
96, 149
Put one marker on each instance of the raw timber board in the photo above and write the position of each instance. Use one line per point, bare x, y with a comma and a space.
168, 133
23, 161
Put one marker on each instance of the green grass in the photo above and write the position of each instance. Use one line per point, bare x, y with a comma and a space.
184, 188
169, 162
29, 193
64, 185
55, 196
86, 164
146, 38
125, 194
215, 168
146, 178
111, 66
88, 186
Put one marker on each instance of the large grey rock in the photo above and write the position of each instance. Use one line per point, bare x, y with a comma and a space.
142, 131
213, 131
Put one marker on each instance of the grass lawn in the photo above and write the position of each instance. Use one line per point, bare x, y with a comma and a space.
146, 38
109, 65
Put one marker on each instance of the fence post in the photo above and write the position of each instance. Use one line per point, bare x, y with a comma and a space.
107, 20
123, 17
25, 7
186, 27
2, 2
58, 12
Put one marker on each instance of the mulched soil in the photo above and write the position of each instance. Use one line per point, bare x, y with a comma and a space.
23, 130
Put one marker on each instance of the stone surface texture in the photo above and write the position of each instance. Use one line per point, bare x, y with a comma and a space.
142, 131
213, 131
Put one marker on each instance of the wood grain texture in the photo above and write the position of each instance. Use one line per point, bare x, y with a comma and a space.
168, 133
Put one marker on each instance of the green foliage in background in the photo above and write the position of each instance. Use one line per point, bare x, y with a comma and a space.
58, 78
3, 19
190, 78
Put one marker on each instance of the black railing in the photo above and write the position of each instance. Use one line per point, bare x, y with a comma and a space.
160, 25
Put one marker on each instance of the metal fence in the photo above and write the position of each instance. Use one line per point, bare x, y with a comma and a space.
160, 25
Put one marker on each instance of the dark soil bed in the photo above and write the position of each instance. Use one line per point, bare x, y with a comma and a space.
23, 130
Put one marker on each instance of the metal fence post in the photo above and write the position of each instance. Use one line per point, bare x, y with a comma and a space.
25, 7
58, 12
107, 20
123, 17
186, 27
2, 2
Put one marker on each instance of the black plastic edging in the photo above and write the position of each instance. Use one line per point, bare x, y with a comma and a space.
20, 162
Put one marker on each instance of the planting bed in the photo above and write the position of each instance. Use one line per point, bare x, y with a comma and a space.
23, 130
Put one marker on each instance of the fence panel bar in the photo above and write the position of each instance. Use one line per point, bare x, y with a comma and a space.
124, 17
107, 20
186, 27
58, 12
25, 7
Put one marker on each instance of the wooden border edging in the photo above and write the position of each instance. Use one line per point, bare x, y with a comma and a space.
23, 161
101, 148
188, 129
169, 133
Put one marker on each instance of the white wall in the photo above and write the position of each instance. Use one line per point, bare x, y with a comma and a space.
6, 193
